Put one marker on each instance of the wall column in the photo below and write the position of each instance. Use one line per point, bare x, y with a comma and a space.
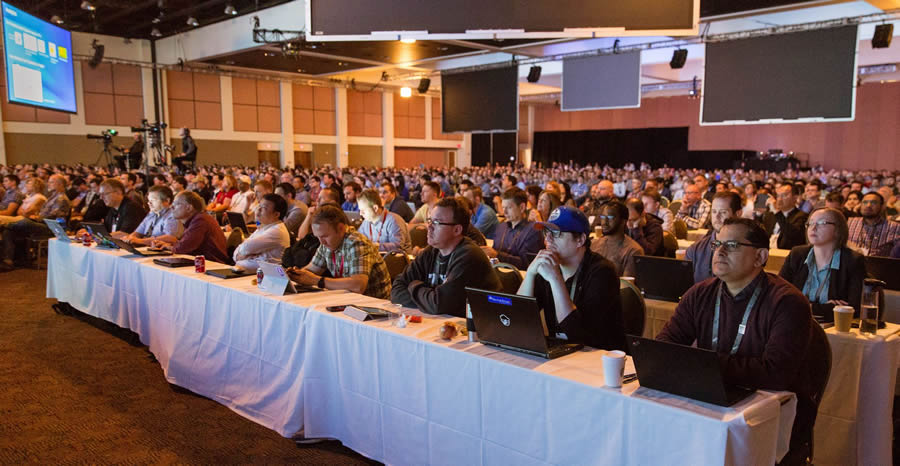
387, 129
340, 113
286, 156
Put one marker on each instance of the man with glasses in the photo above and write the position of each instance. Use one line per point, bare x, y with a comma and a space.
435, 282
873, 234
393, 203
125, 213
758, 323
694, 209
790, 222
725, 205
615, 245
577, 288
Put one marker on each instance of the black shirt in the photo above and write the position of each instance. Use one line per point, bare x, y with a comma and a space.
597, 319
126, 218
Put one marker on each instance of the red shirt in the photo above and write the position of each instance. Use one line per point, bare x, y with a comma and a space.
203, 237
220, 198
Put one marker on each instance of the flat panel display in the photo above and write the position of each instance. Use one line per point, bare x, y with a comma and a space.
480, 101
605, 81
796, 77
38, 58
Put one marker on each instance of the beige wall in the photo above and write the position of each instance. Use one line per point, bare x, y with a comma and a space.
323, 154
364, 156
56, 148
210, 151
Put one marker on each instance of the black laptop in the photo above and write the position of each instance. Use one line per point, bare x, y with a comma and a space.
514, 322
174, 262
663, 278
885, 269
683, 370
230, 273
236, 220
146, 252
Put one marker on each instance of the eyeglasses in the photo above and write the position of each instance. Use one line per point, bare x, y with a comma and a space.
551, 233
818, 223
606, 217
436, 223
730, 245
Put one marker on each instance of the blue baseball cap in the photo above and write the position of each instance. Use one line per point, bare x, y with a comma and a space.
567, 219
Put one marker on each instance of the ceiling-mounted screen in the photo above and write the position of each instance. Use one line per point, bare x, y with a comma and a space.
38, 57
447, 19
605, 81
480, 101
797, 77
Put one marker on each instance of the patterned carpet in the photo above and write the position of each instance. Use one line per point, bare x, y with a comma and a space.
74, 390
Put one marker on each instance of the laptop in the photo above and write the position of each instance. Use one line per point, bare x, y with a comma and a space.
145, 251
236, 220
515, 323
886, 270
682, 370
58, 230
277, 282
663, 278
101, 235
174, 262
230, 273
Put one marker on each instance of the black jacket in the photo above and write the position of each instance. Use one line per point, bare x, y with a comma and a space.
793, 228
401, 208
845, 285
189, 148
127, 217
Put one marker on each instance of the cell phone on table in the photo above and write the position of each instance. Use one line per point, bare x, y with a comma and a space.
335, 308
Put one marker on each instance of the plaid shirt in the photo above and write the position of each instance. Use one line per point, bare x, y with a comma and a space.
876, 240
57, 205
697, 215
356, 256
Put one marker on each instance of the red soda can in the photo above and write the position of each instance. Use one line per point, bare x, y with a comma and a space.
200, 264
86, 239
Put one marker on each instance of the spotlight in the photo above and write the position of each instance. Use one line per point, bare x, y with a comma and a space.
56, 20
229, 10
405, 91
87, 6
694, 93
157, 19
155, 33
424, 83
191, 21
408, 40
534, 74
678, 58
883, 35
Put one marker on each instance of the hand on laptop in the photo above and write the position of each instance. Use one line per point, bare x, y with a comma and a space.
302, 276
161, 245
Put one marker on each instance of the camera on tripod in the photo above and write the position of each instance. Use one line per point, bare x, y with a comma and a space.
106, 135
153, 129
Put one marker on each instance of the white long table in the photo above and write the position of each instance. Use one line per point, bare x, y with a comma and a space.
400, 395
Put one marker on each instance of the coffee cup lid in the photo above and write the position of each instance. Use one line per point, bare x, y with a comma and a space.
843, 309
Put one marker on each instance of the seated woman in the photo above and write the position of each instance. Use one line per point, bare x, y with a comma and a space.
826, 270
385, 229
222, 201
547, 202
160, 223
269, 240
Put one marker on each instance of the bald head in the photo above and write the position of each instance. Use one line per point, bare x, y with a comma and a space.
602, 191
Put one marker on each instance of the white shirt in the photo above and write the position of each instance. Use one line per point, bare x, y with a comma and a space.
267, 242
240, 203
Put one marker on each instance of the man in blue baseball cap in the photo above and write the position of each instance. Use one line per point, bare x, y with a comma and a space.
577, 288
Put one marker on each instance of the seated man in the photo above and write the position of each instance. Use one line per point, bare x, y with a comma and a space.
125, 214
394, 203
57, 206
202, 235
386, 230
353, 263
873, 234
645, 229
160, 223
577, 288
297, 210
351, 193
270, 239
516, 240
435, 282
431, 194
652, 199
772, 353
484, 218
304, 248
694, 209
12, 198
725, 205
790, 222
615, 245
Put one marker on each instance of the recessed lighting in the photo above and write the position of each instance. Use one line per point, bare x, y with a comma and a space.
155, 33
191, 21
301, 70
156, 20
87, 6
230, 10
408, 40
56, 20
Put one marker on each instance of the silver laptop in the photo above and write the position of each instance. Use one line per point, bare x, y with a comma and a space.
58, 230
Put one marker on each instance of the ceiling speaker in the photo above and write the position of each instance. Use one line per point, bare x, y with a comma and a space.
678, 58
883, 35
98, 54
424, 84
534, 74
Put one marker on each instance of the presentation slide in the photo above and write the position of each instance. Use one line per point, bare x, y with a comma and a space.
38, 56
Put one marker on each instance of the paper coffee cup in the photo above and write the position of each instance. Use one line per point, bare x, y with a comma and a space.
613, 368
843, 316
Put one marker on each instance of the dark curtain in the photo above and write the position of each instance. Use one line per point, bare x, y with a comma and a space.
505, 146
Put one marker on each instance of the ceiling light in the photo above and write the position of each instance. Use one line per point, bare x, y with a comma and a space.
229, 10
405, 92
191, 21
155, 33
86, 5
408, 40
301, 70
157, 19
56, 20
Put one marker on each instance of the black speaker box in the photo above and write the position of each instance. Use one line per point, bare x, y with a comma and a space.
424, 84
534, 74
678, 58
883, 35
98, 56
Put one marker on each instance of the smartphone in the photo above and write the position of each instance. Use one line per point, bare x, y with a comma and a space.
761, 200
335, 308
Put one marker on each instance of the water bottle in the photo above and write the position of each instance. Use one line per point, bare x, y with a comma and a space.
470, 323
871, 298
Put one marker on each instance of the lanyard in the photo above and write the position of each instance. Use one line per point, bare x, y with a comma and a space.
377, 239
340, 273
742, 328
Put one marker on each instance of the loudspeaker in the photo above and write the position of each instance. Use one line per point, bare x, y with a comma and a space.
424, 84
883, 35
98, 54
534, 74
678, 58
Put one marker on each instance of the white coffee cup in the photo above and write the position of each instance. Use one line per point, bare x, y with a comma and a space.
613, 368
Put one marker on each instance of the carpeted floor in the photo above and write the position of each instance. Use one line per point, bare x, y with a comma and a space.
74, 390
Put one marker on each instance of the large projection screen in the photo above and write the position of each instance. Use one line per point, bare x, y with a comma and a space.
480, 101
798, 77
605, 81
39, 62
449, 19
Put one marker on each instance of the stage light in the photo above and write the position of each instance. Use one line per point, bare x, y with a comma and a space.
230, 10
408, 40
191, 21
405, 91
87, 6
56, 20
155, 33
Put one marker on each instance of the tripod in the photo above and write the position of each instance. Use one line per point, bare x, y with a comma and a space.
105, 153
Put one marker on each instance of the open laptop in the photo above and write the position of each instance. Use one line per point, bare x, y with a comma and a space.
885, 269
663, 278
144, 251
514, 322
682, 370
58, 230
236, 220
101, 235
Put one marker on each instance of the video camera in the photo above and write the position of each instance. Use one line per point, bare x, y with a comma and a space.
146, 127
106, 135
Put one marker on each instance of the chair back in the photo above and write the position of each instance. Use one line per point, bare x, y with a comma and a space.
510, 277
664, 201
234, 239
396, 263
680, 228
818, 370
675, 206
418, 236
670, 243
633, 307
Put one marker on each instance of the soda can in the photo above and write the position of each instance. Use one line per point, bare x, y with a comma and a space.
86, 239
200, 264
259, 277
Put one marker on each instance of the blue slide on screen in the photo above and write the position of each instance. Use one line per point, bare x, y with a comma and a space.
39, 58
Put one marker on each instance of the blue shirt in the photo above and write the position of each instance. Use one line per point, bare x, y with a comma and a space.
350, 206
389, 232
162, 223
514, 245
485, 220
816, 286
